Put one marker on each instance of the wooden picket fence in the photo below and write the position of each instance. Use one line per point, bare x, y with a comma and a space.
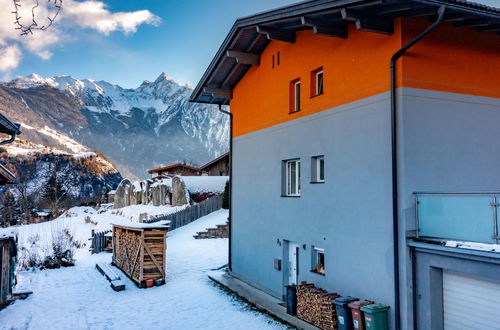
192, 212
99, 241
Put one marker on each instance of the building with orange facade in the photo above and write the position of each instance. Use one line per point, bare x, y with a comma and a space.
366, 154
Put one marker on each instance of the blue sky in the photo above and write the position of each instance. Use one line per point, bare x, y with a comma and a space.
182, 45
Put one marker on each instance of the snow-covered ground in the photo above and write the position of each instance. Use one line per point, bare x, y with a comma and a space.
80, 298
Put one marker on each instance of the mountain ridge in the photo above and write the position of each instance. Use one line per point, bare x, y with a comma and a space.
137, 128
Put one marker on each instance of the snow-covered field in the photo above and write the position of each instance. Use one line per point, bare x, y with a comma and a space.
80, 298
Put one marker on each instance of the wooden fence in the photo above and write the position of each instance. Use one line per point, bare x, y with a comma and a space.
99, 241
192, 212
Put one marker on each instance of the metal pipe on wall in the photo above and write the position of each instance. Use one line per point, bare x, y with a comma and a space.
394, 146
229, 260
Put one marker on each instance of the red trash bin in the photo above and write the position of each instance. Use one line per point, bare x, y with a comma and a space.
358, 317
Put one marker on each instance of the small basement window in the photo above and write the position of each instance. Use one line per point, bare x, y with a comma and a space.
295, 95
317, 82
291, 177
318, 169
318, 260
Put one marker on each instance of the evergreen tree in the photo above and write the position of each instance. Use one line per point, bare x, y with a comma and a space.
55, 194
10, 210
225, 198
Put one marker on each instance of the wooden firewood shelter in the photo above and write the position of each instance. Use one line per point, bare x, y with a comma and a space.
139, 250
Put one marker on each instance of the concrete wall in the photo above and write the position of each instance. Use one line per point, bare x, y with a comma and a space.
349, 215
448, 143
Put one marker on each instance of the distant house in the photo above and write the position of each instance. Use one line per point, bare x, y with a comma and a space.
217, 167
111, 196
11, 129
360, 167
175, 169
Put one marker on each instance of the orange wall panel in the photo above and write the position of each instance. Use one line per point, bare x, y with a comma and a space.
455, 60
354, 68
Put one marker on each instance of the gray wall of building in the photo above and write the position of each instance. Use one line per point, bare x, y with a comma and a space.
349, 215
450, 143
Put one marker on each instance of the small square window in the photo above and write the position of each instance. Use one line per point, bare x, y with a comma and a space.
317, 82
291, 177
295, 95
318, 260
318, 169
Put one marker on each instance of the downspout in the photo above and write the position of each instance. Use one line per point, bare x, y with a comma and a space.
229, 259
12, 138
395, 206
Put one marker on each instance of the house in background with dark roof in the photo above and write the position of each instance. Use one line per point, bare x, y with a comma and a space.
175, 169
366, 152
217, 167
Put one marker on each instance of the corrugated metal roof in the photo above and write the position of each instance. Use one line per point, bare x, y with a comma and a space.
224, 73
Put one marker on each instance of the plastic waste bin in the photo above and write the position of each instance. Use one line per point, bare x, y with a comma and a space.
375, 316
291, 299
344, 315
358, 317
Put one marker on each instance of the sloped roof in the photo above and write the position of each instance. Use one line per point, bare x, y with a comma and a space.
173, 166
214, 160
6, 176
250, 35
8, 127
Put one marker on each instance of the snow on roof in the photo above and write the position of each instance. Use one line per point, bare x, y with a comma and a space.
474, 246
111, 192
201, 184
42, 214
139, 225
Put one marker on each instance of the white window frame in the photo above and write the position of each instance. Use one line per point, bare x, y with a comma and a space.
317, 83
288, 178
316, 173
296, 96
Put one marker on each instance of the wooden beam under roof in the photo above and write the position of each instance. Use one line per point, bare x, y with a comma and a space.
492, 27
471, 23
277, 34
367, 22
244, 58
336, 29
219, 92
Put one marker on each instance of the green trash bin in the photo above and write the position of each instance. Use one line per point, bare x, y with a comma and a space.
375, 316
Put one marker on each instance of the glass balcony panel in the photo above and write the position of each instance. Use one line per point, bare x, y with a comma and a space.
456, 217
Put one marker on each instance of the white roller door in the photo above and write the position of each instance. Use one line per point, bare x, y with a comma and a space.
470, 302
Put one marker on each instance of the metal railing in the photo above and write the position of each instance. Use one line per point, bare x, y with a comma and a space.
462, 216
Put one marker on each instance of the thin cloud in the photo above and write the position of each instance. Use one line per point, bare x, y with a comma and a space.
89, 14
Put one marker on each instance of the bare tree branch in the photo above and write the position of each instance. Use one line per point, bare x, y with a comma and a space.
28, 29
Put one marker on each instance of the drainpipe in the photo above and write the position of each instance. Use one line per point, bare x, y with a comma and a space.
10, 140
395, 206
229, 259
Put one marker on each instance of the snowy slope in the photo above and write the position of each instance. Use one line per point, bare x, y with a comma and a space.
80, 298
154, 121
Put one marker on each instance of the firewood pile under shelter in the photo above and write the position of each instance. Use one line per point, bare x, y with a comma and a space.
139, 250
315, 305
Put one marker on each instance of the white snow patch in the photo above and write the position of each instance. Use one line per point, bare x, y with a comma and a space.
80, 298
474, 246
200, 184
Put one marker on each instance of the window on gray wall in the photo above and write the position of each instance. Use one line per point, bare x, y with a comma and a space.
291, 177
318, 169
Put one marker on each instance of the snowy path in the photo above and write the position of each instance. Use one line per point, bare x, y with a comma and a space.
80, 298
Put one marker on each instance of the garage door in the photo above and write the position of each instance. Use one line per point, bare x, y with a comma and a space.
470, 302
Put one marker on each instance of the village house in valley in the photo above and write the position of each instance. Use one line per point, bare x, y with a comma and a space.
218, 166
366, 154
174, 169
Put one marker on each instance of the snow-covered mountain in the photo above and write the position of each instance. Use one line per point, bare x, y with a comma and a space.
84, 174
138, 129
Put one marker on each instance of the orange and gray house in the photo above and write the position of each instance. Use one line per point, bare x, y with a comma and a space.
366, 154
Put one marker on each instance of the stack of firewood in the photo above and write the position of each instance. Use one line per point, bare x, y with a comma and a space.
129, 244
315, 305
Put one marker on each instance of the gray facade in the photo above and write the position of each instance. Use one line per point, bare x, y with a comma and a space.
446, 143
